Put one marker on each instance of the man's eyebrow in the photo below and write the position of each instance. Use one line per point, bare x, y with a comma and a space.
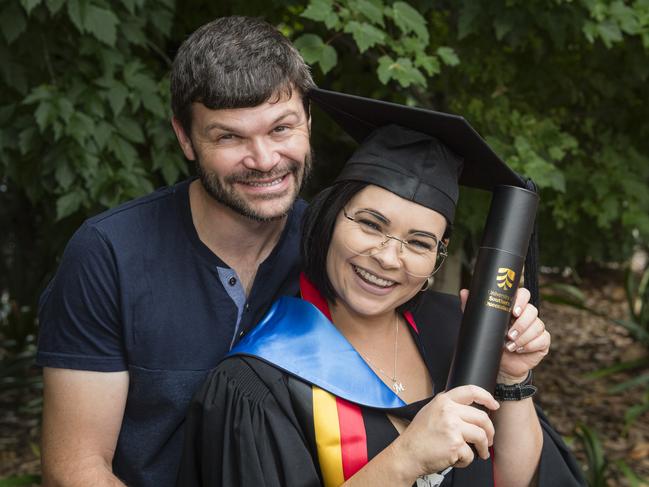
225, 128
220, 126
284, 115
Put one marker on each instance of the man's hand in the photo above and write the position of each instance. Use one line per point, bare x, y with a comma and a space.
82, 417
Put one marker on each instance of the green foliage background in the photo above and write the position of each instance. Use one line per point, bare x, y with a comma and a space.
558, 88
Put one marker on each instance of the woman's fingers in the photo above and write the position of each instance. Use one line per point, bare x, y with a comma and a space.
534, 330
478, 438
470, 394
539, 343
479, 419
522, 323
520, 301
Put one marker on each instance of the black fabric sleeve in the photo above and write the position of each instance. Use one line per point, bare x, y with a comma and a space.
79, 318
238, 433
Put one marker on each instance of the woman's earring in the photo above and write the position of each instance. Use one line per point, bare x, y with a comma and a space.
429, 284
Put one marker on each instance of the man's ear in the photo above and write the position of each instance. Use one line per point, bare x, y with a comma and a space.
183, 139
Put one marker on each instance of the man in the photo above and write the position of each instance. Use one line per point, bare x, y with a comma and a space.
150, 295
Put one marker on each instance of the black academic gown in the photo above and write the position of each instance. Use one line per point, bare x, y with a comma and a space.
253, 423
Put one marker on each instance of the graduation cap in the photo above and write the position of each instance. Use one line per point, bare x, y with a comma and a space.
418, 153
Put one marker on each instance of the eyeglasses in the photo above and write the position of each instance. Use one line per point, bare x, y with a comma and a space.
422, 254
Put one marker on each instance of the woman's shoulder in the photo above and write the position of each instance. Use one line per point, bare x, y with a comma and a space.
251, 378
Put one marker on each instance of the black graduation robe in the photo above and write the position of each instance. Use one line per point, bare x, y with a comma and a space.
303, 415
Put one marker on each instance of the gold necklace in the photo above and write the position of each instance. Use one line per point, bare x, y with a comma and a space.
397, 385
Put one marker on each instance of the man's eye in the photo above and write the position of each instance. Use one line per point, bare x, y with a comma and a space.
226, 137
280, 129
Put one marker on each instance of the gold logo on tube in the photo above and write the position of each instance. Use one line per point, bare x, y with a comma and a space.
505, 278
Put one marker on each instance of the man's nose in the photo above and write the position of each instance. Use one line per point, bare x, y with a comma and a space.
263, 155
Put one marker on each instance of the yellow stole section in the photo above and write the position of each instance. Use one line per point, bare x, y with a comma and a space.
327, 434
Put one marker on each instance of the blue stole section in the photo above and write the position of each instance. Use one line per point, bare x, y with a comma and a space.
297, 338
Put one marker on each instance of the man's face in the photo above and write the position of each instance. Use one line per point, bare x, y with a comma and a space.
252, 160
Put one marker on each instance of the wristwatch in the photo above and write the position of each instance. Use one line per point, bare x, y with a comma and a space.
516, 392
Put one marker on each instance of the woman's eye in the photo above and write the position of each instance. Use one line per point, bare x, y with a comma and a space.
421, 244
369, 224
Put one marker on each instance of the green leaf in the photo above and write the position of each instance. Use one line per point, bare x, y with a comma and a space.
154, 104
372, 11
80, 127
29, 5
626, 17
447, 54
44, 114
54, 5
124, 151
69, 203
384, 69
328, 58
409, 20
314, 50
130, 129
310, 46
12, 22
117, 97
430, 64
77, 10
102, 133
402, 70
322, 11
609, 32
365, 35
27, 140
64, 175
101, 23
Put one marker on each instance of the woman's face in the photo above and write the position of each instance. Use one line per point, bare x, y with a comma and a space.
370, 279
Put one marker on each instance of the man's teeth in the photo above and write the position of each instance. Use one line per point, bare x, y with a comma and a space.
274, 182
372, 279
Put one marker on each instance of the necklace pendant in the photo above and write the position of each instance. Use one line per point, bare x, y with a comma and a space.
398, 387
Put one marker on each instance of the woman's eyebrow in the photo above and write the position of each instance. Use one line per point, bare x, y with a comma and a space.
424, 233
376, 214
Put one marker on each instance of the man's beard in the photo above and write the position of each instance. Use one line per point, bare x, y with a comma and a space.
222, 191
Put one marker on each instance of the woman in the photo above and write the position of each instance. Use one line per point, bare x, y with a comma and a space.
335, 388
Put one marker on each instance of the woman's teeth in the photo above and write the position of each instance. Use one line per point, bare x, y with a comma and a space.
372, 279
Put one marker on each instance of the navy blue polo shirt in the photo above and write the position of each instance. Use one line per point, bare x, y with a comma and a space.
137, 290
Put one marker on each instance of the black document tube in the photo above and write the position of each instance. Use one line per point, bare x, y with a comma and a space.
495, 280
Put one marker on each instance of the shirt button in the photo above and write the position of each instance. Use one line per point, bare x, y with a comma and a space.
232, 281
246, 307
241, 334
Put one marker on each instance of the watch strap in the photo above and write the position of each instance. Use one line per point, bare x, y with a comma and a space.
516, 392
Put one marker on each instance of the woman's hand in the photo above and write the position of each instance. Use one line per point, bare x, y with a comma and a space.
439, 435
527, 339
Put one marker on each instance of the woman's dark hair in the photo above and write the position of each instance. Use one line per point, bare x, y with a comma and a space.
318, 228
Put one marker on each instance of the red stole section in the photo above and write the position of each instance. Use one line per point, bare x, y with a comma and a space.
353, 439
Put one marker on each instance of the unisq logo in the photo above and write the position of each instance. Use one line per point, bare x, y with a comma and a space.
505, 278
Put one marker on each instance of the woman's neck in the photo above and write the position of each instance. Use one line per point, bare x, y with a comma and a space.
363, 328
